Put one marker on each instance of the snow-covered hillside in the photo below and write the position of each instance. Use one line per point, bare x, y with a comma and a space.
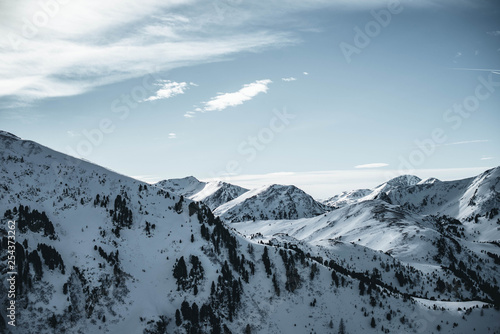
213, 194
99, 252
271, 202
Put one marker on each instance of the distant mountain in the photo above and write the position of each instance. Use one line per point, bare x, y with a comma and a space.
474, 199
271, 202
213, 194
355, 196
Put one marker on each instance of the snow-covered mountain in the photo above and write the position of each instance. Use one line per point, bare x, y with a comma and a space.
213, 194
473, 199
359, 195
271, 202
99, 252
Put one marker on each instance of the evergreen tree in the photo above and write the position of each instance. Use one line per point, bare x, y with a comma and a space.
361, 288
266, 261
186, 311
341, 326
212, 289
194, 314
53, 321
180, 272
372, 323
335, 278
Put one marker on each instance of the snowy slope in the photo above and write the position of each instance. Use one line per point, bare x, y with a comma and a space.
347, 198
119, 239
271, 202
213, 194
418, 243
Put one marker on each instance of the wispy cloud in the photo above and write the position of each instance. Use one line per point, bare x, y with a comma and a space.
495, 33
467, 142
373, 165
172, 135
476, 69
248, 92
168, 89
487, 158
305, 73
289, 79
87, 44
190, 114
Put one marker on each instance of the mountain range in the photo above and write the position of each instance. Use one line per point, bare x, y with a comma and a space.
100, 252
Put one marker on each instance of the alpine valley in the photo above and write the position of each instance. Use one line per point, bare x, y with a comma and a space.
100, 252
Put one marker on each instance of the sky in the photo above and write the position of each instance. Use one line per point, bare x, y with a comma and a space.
329, 95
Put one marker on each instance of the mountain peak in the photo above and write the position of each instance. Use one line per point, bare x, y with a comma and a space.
430, 180
189, 179
213, 193
8, 135
271, 202
404, 180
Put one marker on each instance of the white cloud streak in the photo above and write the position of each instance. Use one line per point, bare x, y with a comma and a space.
467, 142
249, 91
373, 165
172, 135
289, 79
168, 89
475, 69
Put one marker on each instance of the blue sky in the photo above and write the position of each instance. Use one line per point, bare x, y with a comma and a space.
155, 90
